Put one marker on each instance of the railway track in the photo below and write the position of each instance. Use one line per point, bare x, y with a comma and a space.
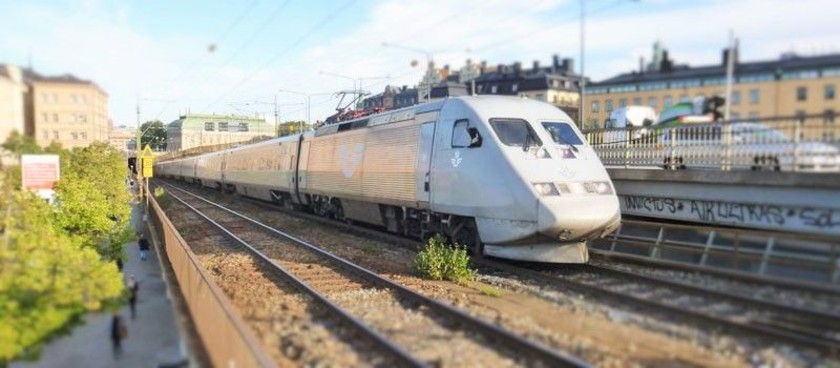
706, 307
321, 275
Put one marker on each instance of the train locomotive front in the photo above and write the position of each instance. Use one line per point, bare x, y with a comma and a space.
535, 189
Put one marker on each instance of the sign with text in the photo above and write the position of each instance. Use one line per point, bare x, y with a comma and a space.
40, 174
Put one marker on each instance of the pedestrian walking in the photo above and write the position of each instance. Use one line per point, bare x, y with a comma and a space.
133, 287
118, 332
144, 247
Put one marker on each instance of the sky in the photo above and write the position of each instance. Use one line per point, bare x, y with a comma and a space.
175, 57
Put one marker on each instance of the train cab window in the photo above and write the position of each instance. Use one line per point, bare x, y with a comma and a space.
515, 132
465, 136
562, 133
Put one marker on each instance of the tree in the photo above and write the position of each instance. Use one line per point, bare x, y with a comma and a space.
93, 203
290, 127
47, 278
154, 136
21, 144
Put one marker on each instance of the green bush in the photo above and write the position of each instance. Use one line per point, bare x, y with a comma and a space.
440, 261
162, 199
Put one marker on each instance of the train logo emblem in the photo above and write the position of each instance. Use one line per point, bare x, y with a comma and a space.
456, 160
350, 158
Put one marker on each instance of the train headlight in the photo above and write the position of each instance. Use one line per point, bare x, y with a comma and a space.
546, 189
598, 187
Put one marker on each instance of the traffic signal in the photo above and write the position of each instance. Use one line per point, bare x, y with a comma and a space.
714, 105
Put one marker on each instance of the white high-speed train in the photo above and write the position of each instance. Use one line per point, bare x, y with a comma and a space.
509, 177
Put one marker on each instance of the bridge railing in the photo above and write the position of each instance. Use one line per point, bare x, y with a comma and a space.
803, 143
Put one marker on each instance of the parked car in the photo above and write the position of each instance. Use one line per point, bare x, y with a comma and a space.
751, 146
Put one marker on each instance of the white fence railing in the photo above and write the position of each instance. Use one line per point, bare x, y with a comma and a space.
809, 143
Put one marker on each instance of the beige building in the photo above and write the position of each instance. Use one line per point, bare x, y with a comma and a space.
67, 110
791, 85
122, 138
198, 130
13, 90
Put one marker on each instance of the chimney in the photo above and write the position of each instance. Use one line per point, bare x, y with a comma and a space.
517, 68
568, 65
500, 69
536, 65
641, 64
483, 68
556, 61
666, 64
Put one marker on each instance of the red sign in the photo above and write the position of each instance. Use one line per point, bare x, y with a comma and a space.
39, 171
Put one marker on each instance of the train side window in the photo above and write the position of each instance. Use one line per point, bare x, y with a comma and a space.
464, 136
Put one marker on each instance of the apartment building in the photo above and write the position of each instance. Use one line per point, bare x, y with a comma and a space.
790, 85
65, 109
197, 130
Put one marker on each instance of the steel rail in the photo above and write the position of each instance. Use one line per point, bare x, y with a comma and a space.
799, 339
531, 349
395, 351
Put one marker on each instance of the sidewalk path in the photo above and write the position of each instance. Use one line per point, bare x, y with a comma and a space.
153, 338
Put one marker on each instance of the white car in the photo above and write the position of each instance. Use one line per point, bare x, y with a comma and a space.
751, 146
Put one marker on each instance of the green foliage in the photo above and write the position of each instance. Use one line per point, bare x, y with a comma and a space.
155, 135
20, 144
162, 199
439, 261
47, 277
93, 201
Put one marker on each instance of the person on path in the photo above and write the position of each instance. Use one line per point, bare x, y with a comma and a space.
118, 332
133, 287
144, 247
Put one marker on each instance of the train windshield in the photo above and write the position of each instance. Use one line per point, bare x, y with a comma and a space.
515, 132
562, 133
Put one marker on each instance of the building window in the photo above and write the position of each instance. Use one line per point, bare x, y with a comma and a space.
243, 127
754, 115
800, 114
45, 98
45, 117
55, 117
637, 101
829, 91
55, 98
209, 127
494, 88
595, 106
801, 93
736, 97
74, 135
652, 102
734, 116
223, 126
668, 101
622, 102
540, 97
55, 134
514, 87
608, 105
684, 98
593, 124
46, 134
755, 97
83, 135
828, 116
83, 118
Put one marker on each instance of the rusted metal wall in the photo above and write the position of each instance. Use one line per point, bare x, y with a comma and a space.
227, 339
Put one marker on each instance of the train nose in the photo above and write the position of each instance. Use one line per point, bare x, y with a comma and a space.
570, 219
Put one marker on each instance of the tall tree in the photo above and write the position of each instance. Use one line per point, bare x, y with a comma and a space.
154, 136
290, 127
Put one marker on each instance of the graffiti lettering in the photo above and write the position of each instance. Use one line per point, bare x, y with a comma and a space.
745, 214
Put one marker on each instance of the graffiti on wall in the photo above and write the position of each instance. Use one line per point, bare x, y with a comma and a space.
769, 216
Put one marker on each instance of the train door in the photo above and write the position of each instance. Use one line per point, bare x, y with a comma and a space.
300, 171
424, 161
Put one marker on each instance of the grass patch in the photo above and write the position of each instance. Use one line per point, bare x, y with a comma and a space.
441, 261
162, 199
489, 290
372, 250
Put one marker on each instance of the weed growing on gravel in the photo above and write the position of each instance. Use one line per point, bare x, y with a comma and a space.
162, 199
489, 290
440, 261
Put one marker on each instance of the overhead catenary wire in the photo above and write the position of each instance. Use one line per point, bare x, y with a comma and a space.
283, 52
253, 35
